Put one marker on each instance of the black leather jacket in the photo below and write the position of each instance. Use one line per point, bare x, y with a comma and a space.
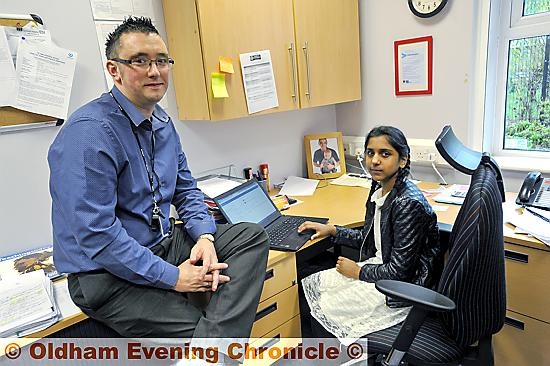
411, 250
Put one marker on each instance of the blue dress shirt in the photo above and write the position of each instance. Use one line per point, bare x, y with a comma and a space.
101, 194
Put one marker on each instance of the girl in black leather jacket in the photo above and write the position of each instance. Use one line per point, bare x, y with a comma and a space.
400, 238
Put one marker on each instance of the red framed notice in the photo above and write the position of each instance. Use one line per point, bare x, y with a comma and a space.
413, 63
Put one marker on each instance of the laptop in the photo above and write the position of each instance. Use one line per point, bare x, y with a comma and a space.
248, 202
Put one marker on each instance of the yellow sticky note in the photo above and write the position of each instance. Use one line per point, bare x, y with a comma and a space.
218, 85
226, 65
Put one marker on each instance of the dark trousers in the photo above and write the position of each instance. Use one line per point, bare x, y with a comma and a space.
141, 311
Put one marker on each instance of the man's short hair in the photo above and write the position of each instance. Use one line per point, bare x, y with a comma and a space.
131, 24
321, 139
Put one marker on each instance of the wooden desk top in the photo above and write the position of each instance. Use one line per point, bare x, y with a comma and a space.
345, 206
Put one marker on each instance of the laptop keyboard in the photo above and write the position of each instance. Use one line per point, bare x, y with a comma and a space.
278, 233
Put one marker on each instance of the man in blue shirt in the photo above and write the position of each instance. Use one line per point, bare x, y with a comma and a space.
116, 167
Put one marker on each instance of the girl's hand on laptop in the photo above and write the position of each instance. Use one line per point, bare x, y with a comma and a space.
320, 230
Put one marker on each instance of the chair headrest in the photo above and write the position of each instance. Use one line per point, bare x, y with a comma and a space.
458, 156
464, 159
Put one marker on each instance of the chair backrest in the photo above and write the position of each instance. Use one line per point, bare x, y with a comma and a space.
474, 274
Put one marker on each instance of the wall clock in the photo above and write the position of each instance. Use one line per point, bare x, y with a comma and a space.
426, 8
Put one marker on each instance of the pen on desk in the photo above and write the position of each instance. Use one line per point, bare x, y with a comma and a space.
538, 215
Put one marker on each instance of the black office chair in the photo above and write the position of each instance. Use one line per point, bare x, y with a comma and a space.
455, 324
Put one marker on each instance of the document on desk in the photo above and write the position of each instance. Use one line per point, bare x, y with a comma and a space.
455, 194
351, 181
26, 304
526, 222
213, 187
297, 186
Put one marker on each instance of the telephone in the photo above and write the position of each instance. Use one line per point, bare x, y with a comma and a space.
535, 191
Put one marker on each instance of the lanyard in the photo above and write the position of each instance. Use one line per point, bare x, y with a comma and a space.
157, 214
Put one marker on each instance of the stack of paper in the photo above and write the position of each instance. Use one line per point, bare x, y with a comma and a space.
536, 224
214, 185
27, 304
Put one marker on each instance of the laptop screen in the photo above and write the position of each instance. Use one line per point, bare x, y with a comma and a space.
247, 203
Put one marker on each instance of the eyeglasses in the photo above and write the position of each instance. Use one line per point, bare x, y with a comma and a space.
145, 63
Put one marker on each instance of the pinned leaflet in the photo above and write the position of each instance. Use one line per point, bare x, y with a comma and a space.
44, 78
258, 80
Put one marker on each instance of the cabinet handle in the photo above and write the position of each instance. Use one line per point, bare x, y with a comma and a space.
514, 323
269, 274
264, 312
292, 52
306, 54
516, 256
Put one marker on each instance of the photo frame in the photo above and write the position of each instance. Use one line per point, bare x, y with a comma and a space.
413, 63
325, 155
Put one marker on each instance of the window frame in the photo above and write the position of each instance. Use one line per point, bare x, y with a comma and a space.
507, 23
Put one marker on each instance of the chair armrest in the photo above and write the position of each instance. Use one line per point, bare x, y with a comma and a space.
416, 295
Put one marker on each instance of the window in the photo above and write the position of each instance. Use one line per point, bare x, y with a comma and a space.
531, 7
521, 119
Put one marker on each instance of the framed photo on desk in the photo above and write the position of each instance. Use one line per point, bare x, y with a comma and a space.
325, 155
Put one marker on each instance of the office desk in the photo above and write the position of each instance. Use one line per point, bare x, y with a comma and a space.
522, 340
526, 335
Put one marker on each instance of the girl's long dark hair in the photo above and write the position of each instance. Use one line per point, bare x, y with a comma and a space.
397, 140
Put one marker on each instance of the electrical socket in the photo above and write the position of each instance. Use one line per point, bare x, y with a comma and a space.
354, 145
423, 151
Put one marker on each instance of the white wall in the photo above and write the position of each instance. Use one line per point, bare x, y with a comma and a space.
382, 23
455, 49
25, 203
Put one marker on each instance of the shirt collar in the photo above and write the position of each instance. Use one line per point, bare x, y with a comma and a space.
377, 197
135, 115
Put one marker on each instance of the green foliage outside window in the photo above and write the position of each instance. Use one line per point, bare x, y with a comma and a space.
527, 113
536, 134
531, 7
